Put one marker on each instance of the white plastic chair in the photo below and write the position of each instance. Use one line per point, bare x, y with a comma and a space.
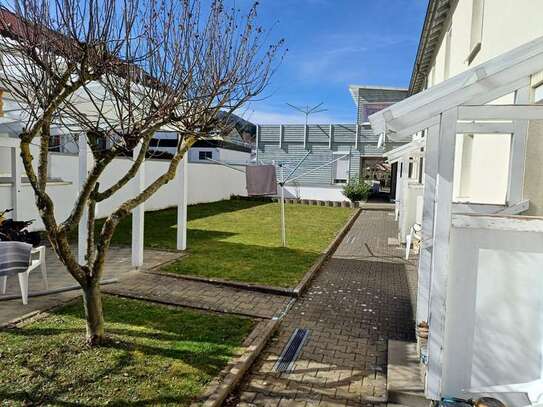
414, 234
23, 277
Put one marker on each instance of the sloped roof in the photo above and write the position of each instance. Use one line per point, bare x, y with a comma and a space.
437, 14
377, 94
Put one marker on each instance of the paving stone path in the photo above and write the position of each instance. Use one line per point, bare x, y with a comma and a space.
136, 284
363, 296
202, 295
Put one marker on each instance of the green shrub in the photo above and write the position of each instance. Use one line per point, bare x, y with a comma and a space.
356, 190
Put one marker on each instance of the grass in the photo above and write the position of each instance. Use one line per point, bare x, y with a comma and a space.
155, 355
240, 240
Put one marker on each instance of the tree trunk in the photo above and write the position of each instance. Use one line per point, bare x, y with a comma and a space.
94, 315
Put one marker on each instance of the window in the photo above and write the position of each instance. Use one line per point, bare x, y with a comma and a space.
204, 155
538, 94
476, 36
341, 170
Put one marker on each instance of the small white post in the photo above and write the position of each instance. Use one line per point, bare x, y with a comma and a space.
182, 204
283, 227
138, 214
16, 192
281, 134
306, 130
441, 251
85, 165
330, 139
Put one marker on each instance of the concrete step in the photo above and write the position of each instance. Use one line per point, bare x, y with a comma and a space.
404, 384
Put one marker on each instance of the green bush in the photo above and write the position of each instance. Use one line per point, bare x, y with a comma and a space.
356, 190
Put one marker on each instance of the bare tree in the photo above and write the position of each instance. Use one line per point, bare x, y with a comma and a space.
119, 70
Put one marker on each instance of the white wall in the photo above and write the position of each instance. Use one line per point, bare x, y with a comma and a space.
507, 24
493, 331
321, 193
206, 183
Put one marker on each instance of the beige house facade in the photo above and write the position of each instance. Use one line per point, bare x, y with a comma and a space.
469, 33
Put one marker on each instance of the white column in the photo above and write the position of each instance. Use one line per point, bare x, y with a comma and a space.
425, 258
517, 159
16, 174
182, 177
440, 257
403, 185
85, 165
138, 214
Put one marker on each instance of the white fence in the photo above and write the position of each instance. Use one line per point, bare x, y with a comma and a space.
206, 183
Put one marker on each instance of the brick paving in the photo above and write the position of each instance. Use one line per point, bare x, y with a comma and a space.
118, 263
212, 297
133, 283
363, 296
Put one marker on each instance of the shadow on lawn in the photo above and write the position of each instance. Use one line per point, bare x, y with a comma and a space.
207, 359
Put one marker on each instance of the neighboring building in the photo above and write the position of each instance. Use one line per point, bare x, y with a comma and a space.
478, 153
321, 158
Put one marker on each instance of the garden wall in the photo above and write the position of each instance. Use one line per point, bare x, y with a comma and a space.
207, 182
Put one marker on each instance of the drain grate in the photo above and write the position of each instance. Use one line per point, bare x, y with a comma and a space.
292, 350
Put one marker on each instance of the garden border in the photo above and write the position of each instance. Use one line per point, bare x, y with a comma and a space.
222, 385
214, 394
291, 292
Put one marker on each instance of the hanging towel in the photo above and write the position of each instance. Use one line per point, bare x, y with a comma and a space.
14, 257
261, 180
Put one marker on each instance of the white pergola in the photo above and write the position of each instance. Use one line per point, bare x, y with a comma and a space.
461, 105
10, 120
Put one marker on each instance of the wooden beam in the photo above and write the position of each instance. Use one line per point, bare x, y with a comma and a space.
407, 132
468, 207
16, 186
485, 128
512, 66
182, 204
508, 223
501, 112
516, 208
138, 215
440, 255
425, 257
517, 160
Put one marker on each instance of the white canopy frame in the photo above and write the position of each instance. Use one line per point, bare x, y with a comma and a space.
442, 111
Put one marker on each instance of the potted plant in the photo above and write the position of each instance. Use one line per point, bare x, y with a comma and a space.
356, 190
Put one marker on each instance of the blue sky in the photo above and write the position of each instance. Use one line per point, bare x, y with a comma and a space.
332, 44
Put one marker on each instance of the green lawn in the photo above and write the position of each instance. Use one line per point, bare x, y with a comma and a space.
154, 356
240, 240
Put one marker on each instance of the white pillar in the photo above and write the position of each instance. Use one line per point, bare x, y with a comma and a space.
517, 158
403, 186
16, 193
425, 258
138, 214
440, 257
182, 177
85, 165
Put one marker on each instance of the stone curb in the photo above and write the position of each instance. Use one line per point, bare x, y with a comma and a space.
291, 292
223, 384
37, 314
302, 285
187, 304
218, 281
